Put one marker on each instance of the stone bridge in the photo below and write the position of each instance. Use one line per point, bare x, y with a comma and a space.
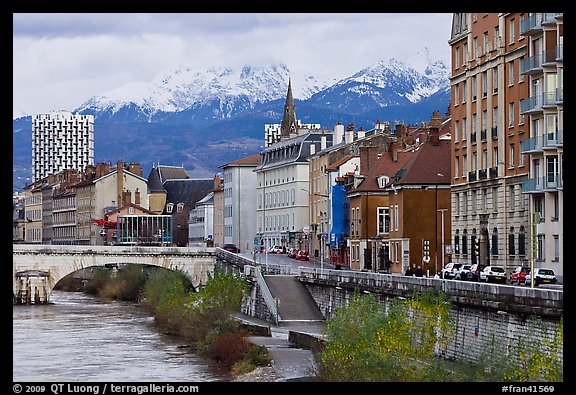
36, 269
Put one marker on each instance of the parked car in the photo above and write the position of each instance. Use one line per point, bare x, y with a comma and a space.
518, 276
276, 250
292, 253
474, 273
541, 276
462, 273
493, 274
302, 255
231, 247
449, 271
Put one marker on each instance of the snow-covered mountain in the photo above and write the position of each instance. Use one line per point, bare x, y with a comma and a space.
226, 91
220, 93
382, 85
204, 118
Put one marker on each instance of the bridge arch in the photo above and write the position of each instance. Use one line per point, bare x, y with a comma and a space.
36, 269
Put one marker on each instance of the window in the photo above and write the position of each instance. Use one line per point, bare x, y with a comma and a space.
465, 243
130, 210
511, 32
464, 91
457, 58
511, 75
556, 248
494, 246
457, 242
179, 207
383, 220
456, 94
484, 84
511, 115
522, 241
512, 155
495, 80
169, 208
511, 245
456, 131
474, 88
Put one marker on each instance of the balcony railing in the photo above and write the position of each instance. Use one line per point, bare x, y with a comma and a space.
533, 103
494, 132
533, 22
559, 95
531, 64
493, 172
472, 176
482, 174
542, 184
539, 143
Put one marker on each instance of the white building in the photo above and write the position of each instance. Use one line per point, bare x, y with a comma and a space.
201, 221
240, 202
61, 140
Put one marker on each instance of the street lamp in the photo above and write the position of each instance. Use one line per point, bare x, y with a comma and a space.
442, 210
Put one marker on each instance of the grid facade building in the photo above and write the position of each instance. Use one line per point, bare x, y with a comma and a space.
61, 140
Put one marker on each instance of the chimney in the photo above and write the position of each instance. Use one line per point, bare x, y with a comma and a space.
126, 198
338, 133
349, 133
368, 155
137, 197
361, 133
434, 128
323, 141
135, 168
394, 151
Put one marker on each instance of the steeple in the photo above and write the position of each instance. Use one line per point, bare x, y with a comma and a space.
289, 124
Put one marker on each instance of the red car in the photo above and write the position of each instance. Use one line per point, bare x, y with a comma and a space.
302, 256
518, 276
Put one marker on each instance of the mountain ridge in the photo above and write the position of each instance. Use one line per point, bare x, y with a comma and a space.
172, 116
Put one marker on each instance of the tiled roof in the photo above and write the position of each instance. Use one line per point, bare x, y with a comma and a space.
252, 160
430, 165
384, 166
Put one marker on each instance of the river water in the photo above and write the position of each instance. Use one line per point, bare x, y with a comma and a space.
80, 338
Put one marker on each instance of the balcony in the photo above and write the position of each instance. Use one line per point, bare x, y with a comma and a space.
494, 132
540, 143
559, 96
482, 174
493, 172
531, 65
550, 183
531, 25
532, 104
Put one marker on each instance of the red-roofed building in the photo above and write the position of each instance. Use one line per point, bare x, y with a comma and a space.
397, 206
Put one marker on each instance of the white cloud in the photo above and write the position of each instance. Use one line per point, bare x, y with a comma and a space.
61, 60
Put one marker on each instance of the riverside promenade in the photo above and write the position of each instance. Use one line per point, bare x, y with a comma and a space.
291, 346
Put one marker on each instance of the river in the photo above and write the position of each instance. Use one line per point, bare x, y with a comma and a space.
80, 338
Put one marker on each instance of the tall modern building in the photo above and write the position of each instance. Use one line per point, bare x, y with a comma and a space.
61, 141
507, 144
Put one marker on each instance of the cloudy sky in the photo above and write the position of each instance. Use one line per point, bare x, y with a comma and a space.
62, 60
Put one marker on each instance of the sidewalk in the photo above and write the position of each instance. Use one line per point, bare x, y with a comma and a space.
291, 360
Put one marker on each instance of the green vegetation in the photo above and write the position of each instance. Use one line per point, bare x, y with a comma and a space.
202, 316
367, 342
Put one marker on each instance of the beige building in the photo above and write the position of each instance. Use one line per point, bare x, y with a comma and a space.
103, 191
543, 145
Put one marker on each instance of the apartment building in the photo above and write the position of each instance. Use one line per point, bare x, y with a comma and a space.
543, 144
490, 211
61, 140
239, 202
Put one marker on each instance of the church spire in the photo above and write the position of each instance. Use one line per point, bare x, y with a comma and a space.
289, 123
